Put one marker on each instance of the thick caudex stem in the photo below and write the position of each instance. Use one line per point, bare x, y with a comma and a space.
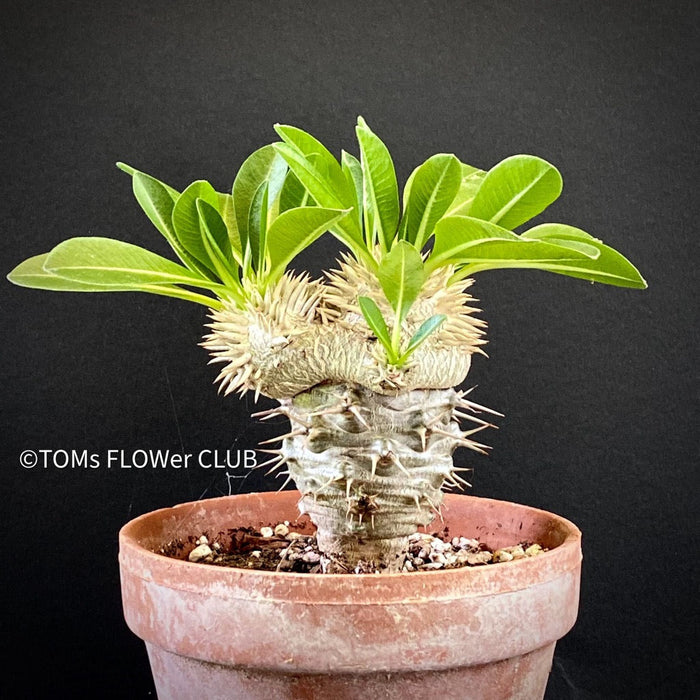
371, 466
370, 443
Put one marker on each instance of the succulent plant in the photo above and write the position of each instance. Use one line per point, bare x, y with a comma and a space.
363, 363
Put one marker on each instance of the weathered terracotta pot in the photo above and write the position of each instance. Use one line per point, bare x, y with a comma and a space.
484, 633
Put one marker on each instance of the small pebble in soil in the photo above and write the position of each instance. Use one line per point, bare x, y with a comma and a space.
281, 548
201, 553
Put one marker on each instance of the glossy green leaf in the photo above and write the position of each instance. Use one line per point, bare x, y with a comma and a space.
216, 241
108, 261
325, 163
610, 267
401, 276
454, 234
352, 169
323, 193
228, 214
293, 194
174, 194
377, 325
31, 273
567, 236
469, 186
463, 239
433, 187
515, 190
294, 230
186, 219
421, 335
380, 198
260, 167
158, 204
257, 225
479, 245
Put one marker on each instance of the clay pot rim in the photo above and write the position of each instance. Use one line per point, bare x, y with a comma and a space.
436, 584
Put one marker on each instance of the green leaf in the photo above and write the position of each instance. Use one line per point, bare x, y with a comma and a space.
157, 202
228, 214
401, 276
471, 182
293, 193
421, 335
216, 241
261, 166
31, 273
610, 267
567, 236
352, 169
186, 219
107, 261
469, 170
515, 190
455, 234
257, 225
323, 193
174, 194
377, 325
294, 230
480, 245
380, 198
433, 187
325, 163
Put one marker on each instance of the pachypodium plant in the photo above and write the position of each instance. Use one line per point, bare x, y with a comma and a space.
364, 364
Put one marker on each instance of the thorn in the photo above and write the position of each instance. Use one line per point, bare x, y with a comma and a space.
466, 433
478, 407
435, 509
275, 468
348, 483
356, 412
440, 431
269, 461
437, 418
292, 434
459, 479
397, 462
417, 502
337, 408
287, 480
375, 461
423, 434
271, 412
371, 520
468, 416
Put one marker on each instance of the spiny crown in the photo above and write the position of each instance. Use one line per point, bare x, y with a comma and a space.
301, 332
440, 295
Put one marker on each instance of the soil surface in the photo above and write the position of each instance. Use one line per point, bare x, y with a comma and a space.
291, 546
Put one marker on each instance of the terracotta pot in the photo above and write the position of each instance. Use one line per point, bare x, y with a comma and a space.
482, 633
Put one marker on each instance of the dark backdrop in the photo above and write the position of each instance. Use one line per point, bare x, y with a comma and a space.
597, 383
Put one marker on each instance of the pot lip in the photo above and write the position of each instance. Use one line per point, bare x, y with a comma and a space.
473, 581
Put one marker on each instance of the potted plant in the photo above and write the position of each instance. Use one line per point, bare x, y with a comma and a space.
364, 365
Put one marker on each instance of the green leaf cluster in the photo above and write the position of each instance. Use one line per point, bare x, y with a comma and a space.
288, 193
228, 244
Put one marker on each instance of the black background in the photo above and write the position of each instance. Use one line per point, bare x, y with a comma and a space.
597, 383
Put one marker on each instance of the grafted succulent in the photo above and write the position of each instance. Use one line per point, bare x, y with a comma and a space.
363, 363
